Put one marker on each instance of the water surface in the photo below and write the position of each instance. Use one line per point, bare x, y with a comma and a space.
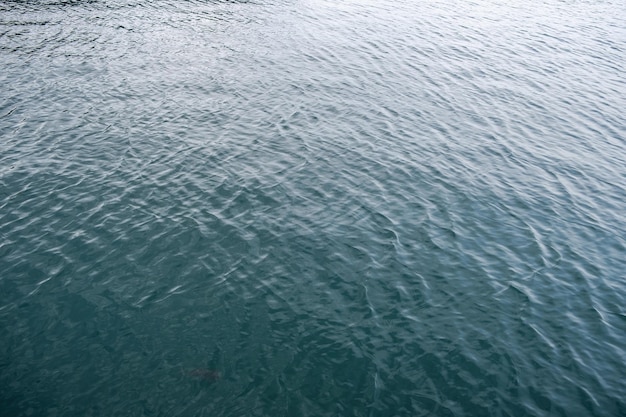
340, 208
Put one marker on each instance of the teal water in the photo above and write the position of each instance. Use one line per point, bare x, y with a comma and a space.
312, 208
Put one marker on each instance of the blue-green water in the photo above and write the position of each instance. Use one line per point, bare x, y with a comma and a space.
344, 208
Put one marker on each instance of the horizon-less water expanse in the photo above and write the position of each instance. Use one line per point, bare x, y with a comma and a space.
312, 208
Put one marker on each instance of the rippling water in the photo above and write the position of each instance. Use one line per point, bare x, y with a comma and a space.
312, 208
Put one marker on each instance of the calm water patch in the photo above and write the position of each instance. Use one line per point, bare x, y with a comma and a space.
310, 207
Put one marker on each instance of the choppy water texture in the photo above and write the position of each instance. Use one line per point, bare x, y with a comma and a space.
312, 208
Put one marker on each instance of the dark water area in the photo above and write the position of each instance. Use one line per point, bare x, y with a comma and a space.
312, 208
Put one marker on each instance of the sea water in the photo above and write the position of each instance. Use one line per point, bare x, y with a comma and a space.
312, 208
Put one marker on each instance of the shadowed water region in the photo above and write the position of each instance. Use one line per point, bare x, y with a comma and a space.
312, 208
